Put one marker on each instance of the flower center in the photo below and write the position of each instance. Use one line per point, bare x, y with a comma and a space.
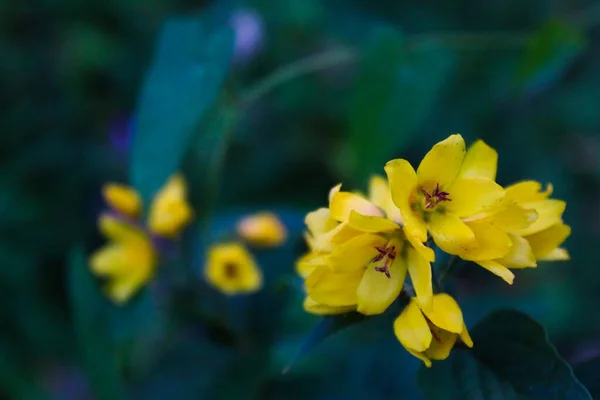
431, 200
387, 255
231, 270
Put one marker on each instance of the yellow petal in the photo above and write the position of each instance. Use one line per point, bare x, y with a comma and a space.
313, 307
481, 161
412, 329
380, 195
421, 357
109, 260
376, 291
333, 289
544, 242
557, 254
333, 191
343, 203
441, 345
471, 196
465, 337
119, 230
342, 233
356, 253
403, 185
498, 269
170, 212
319, 221
367, 223
309, 262
549, 213
445, 313
451, 234
527, 191
492, 242
262, 229
520, 254
511, 218
123, 199
443, 162
121, 289
231, 269
425, 252
419, 270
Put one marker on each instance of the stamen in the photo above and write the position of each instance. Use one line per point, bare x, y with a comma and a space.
434, 198
386, 254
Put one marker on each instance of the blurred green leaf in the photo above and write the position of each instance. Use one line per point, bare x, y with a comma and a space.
92, 330
395, 90
511, 359
184, 80
552, 50
588, 373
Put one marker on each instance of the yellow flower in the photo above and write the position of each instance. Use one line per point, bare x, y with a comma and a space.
231, 269
127, 261
360, 257
430, 333
170, 211
448, 187
262, 229
123, 199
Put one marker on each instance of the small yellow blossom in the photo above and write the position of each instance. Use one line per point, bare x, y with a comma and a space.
170, 211
123, 199
231, 269
127, 261
262, 229
448, 187
430, 333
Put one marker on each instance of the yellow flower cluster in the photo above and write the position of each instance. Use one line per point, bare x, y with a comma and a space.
129, 259
230, 267
362, 246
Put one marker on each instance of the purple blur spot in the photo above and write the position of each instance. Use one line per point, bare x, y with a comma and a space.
248, 27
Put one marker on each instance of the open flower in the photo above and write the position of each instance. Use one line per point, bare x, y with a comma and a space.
443, 192
263, 229
231, 269
127, 261
130, 257
431, 333
360, 257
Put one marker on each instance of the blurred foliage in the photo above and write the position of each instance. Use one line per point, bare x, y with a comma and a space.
522, 76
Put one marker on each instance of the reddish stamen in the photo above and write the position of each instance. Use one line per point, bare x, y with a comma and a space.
437, 196
387, 254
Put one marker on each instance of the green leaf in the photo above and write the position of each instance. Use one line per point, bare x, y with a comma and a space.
511, 359
92, 330
396, 88
551, 51
589, 374
185, 78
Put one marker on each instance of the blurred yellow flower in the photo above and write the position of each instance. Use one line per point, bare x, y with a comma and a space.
123, 199
231, 269
262, 229
127, 261
170, 211
449, 186
430, 333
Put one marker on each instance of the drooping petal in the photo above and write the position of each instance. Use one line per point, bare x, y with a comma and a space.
465, 337
481, 161
557, 254
356, 253
520, 254
403, 185
376, 291
492, 242
333, 289
471, 196
451, 234
498, 269
315, 308
343, 203
380, 195
445, 313
549, 213
527, 191
122, 198
412, 329
367, 223
441, 345
420, 356
426, 252
419, 270
544, 242
443, 162
120, 290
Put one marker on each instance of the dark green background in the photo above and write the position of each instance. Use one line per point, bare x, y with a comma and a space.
523, 76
